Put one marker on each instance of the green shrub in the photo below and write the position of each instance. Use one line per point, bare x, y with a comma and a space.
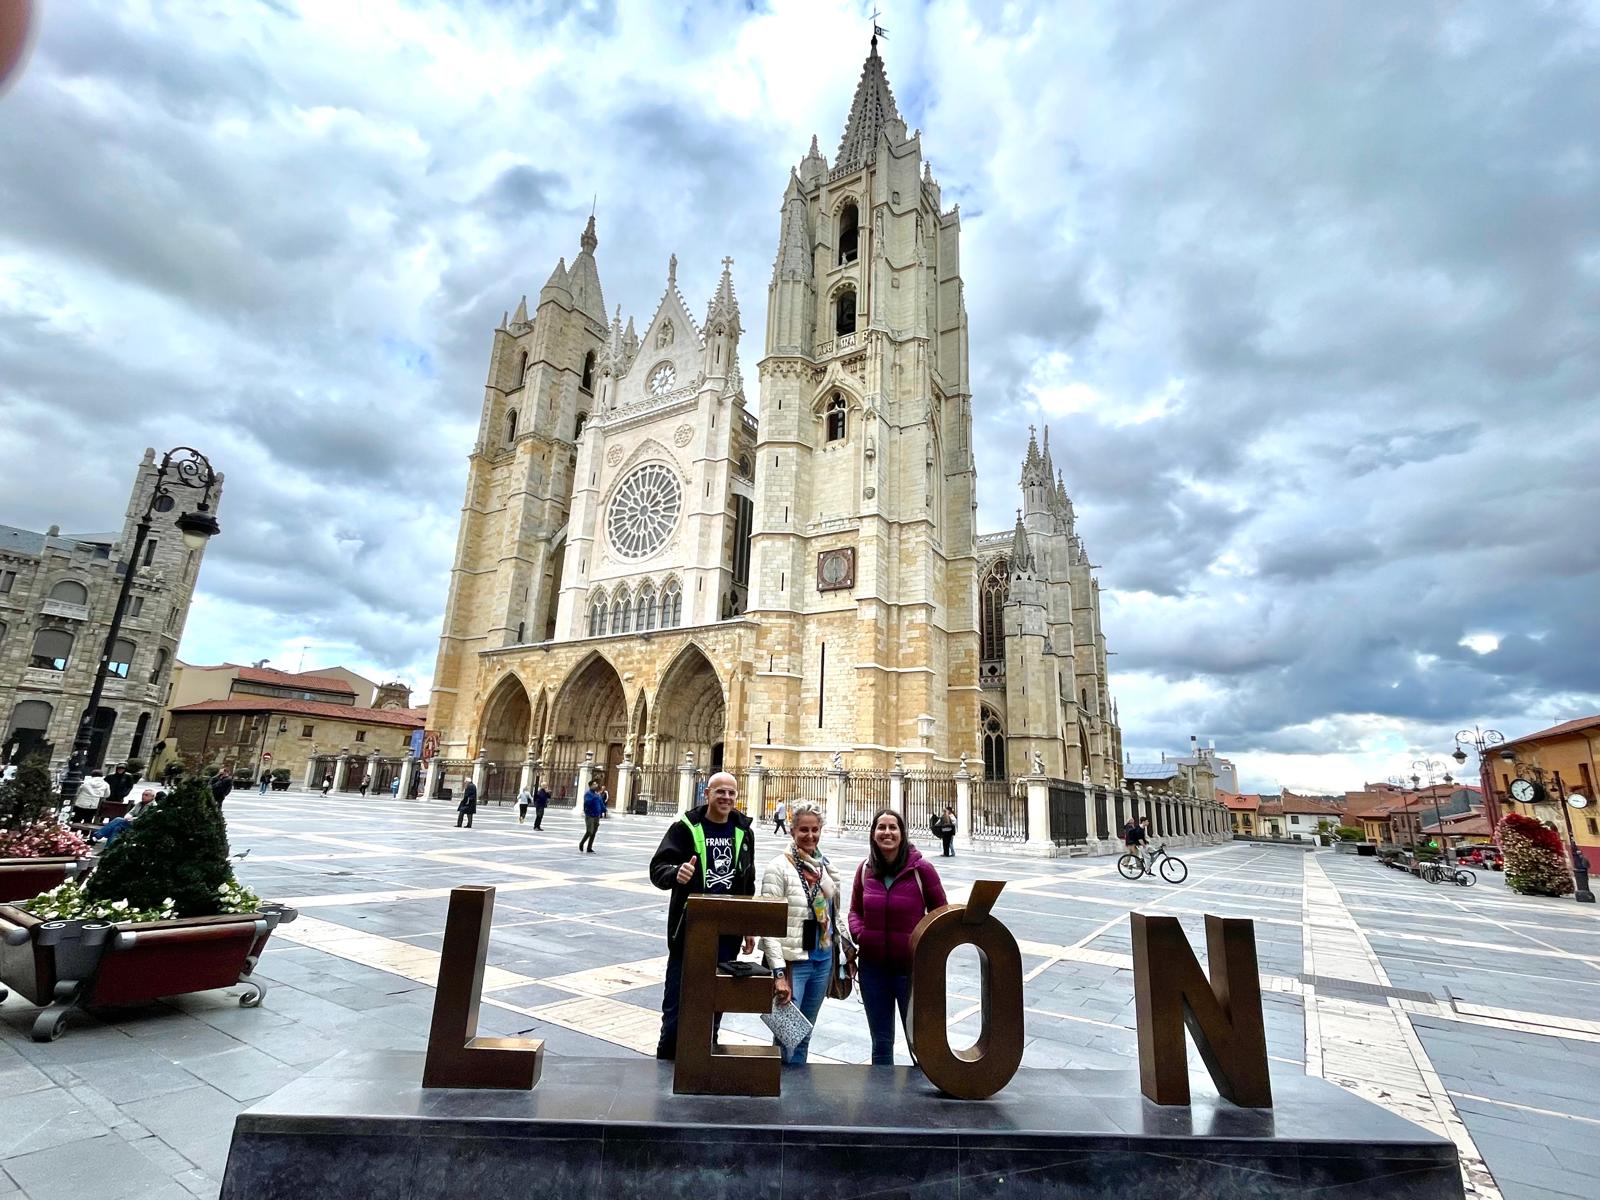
176, 853
1349, 833
27, 798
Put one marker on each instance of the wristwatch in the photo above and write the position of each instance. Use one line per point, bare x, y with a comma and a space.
777, 971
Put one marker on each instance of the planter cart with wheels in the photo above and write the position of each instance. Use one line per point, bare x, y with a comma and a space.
25, 878
68, 965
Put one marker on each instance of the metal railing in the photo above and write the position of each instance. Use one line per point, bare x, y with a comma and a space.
789, 784
865, 792
657, 787
1068, 821
999, 810
927, 795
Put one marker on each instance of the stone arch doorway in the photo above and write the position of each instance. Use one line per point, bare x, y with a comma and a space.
590, 713
691, 712
507, 719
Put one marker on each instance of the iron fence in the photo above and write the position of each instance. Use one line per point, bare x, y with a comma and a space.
1102, 818
1069, 825
500, 782
655, 789
453, 776
559, 774
865, 792
384, 772
999, 810
790, 784
927, 795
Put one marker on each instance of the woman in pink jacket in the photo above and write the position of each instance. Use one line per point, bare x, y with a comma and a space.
894, 887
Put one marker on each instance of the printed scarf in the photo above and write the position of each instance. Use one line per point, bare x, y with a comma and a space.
819, 891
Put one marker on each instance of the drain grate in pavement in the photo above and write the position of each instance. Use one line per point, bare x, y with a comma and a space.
1352, 989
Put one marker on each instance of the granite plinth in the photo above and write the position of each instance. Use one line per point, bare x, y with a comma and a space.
362, 1125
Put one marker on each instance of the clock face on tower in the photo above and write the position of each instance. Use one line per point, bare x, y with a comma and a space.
661, 379
836, 569
1523, 791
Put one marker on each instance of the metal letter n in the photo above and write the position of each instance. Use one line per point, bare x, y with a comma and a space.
457, 1056
1223, 1014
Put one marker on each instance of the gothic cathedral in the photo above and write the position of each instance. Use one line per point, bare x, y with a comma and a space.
647, 573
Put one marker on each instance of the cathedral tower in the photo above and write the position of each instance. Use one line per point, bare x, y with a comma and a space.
506, 578
864, 582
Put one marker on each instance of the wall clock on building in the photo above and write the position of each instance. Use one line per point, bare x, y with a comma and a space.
1524, 791
661, 379
836, 569
643, 511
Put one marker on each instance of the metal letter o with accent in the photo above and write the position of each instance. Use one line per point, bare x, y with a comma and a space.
988, 1065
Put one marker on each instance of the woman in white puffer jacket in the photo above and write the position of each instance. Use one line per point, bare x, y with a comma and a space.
802, 960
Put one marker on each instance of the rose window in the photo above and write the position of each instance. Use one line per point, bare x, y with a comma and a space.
643, 511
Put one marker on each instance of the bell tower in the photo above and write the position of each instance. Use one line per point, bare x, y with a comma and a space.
864, 567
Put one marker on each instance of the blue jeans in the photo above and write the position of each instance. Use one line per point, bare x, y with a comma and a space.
808, 979
882, 991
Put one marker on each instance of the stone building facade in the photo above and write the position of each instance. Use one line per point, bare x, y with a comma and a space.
58, 593
645, 571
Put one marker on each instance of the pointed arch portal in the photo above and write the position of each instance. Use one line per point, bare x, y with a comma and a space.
591, 713
691, 711
507, 720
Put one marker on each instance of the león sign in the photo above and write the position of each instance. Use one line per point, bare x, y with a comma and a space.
1222, 1013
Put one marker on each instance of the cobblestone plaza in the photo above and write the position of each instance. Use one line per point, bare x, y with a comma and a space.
1472, 1012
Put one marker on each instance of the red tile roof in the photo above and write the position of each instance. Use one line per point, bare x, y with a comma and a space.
1555, 731
313, 683
311, 708
1239, 801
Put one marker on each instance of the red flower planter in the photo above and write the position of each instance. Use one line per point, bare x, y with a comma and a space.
25, 878
66, 965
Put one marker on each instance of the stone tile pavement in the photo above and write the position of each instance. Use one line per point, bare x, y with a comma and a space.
1471, 1011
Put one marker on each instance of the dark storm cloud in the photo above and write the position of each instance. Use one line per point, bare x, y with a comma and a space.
1308, 295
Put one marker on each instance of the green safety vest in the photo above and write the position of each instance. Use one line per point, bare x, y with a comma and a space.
699, 836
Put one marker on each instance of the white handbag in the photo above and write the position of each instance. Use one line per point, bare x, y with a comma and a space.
788, 1024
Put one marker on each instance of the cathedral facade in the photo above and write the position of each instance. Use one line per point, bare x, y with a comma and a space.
648, 572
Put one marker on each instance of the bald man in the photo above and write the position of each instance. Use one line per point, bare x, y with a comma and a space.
710, 850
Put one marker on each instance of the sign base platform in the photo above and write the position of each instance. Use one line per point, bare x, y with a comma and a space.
361, 1125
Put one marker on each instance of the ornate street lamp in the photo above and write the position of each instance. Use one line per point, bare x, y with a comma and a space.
182, 467
1533, 776
1431, 767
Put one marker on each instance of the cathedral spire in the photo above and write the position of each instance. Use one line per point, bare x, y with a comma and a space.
1021, 551
556, 285
724, 305
520, 317
1033, 472
584, 278
872, 109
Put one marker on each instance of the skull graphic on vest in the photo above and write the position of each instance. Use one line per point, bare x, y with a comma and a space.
719, 861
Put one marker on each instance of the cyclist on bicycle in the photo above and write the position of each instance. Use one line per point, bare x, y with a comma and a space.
1134, 839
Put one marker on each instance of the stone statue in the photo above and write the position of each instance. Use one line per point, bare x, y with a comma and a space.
838, 761
1038, 763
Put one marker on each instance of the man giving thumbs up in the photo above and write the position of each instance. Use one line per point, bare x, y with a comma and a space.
710, 850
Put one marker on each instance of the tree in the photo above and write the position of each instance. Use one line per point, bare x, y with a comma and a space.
1535, 864
177, 849
28, 798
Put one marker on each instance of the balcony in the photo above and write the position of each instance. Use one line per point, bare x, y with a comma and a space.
60, 608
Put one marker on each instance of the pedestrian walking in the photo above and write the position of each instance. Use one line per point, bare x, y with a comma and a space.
524, 801
221, 785
803, 960
327, 784
468, 805
366, 782
266, 781
709, 850
119, 783
780, 818
541, 801
594, 808
91, 792
944, 826
894, 888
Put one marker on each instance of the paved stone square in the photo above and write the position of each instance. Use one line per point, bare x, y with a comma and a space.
1474, 1012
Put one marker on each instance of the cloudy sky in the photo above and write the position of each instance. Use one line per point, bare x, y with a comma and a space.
1309, 296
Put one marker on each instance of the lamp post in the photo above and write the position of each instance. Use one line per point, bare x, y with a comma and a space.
180, 467
1480, 740
1535, 775
1430, 767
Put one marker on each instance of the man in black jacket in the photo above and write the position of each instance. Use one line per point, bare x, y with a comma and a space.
710, 850
120, 783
